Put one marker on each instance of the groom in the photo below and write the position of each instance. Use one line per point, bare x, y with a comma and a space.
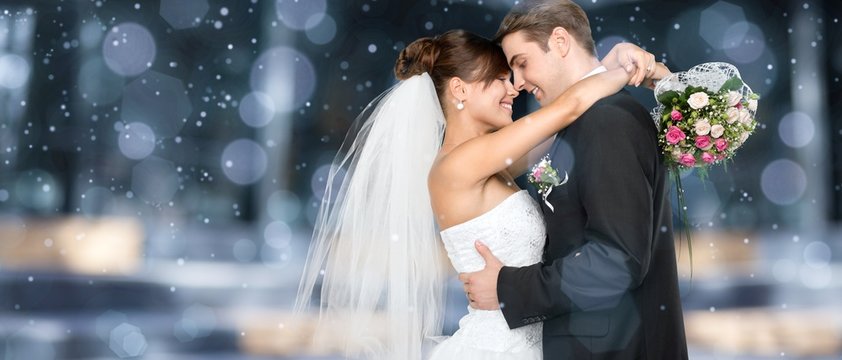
608, 286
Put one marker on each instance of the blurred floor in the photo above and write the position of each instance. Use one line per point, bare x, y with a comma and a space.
747, 300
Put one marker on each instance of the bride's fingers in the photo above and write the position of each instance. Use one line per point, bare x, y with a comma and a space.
464, 278
639, 60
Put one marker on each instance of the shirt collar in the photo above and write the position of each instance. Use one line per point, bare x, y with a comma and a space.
597, 70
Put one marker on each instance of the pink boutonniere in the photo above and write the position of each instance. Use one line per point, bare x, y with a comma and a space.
544, 177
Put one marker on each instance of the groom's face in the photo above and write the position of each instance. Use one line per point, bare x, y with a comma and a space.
534, 70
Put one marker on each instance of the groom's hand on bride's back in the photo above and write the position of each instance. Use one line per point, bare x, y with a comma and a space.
481, 286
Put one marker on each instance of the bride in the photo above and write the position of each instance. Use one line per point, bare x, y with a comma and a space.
438, 151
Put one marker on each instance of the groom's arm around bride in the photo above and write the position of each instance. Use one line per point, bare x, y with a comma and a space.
608, 287
608, 284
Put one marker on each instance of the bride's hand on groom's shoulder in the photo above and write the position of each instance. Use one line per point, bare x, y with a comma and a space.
661, 71
636, 61
481, 286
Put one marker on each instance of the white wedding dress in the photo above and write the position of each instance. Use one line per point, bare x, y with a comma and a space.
514, 231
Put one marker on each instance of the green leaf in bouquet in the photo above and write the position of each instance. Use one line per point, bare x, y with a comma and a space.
667, 98
733, 84
694, 89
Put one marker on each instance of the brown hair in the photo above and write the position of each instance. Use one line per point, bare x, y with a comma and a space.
456, 53
537, 19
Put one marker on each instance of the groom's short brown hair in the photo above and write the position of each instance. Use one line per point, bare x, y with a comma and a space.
538, 18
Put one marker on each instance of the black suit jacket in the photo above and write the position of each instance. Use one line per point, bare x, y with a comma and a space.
608, 286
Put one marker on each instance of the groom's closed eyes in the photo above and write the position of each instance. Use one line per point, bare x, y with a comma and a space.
516, 61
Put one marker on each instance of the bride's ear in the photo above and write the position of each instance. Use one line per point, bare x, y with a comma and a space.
458, 89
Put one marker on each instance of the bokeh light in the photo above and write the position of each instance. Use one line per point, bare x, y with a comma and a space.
277, 234
14, 71
286, 75
815, 277
715, 22
283, 205
197, 321
320, 31
136, 140
129, 49
817, 254
257, 109
159, 101
244, 161
298, 15
744, 42
783, 182
796, 129
107, 321
127, 341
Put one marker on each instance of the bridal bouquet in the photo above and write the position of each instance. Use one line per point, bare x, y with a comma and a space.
704, 115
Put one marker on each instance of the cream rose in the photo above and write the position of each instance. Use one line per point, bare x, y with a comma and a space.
698, 100
702, 127
752, 104
734, 98
745, 117
733, 114
717, 130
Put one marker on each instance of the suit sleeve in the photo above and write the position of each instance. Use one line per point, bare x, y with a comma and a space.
615, 157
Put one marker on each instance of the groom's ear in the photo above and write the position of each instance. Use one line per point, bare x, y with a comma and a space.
560, 40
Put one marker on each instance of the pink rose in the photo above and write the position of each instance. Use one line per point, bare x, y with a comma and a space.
676, 115
687, 160
707, 157
537, 173
703, 142
721, 144
674, 135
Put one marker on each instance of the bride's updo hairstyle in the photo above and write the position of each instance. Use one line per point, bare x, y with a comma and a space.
456, 53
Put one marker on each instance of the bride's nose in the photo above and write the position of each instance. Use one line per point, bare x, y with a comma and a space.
510, 90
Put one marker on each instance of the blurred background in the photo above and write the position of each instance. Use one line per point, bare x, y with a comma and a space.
162, 163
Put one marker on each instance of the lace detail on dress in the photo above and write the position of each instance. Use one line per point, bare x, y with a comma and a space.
514, 231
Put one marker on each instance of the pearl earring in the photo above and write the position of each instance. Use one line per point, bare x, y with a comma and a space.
460, 105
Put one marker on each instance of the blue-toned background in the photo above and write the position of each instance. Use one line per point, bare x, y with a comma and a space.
162, 162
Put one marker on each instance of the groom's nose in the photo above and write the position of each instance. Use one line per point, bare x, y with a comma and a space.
519, 82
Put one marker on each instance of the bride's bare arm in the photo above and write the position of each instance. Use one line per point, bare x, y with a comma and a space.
645, 71
483, 156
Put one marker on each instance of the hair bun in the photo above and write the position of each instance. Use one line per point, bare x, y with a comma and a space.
417, 58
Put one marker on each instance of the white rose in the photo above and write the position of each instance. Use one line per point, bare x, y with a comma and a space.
717, 130
702, 127
752, 104
733, 114
676, 153
734, 98
745, 117
698, 100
